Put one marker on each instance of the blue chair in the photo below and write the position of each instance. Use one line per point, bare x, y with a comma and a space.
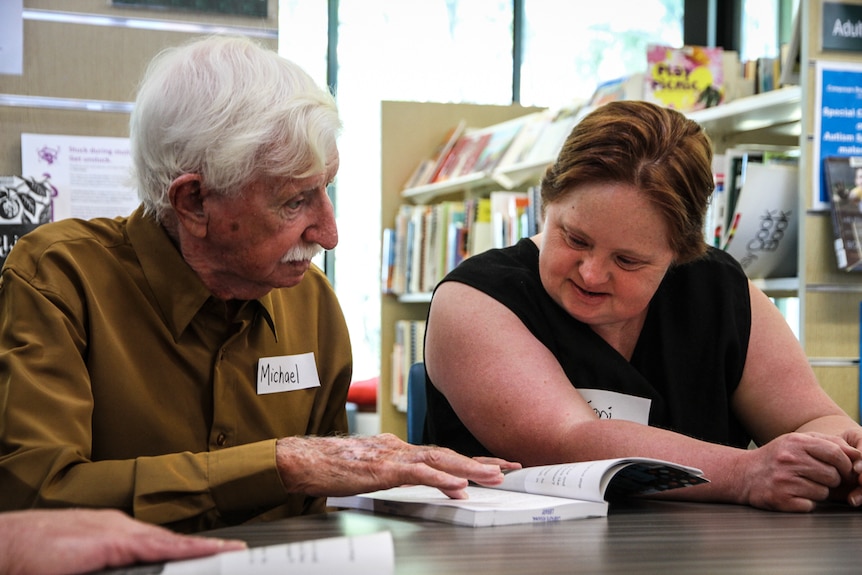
416, 405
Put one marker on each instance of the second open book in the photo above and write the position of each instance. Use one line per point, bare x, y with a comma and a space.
534, 494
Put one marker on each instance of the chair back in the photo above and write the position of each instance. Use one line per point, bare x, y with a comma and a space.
416, 404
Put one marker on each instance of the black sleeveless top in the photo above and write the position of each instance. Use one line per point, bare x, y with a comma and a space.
688, 360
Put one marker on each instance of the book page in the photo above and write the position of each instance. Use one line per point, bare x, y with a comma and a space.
572, 480
589, 480
371, 554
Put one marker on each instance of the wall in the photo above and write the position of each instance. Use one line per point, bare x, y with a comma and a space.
99, 60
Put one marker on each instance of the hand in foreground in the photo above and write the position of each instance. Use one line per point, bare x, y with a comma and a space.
853, 492
796, 471
67, 541
336, 466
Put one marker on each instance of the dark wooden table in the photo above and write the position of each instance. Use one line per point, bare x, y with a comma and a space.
639, 537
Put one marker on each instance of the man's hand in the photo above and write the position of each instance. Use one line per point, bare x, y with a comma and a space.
68, 541
336, 466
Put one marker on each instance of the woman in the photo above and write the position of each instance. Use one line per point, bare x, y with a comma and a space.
618, 332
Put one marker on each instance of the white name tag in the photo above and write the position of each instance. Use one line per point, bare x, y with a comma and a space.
614, 405
286, 373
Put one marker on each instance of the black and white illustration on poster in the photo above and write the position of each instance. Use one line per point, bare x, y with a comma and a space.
91, 175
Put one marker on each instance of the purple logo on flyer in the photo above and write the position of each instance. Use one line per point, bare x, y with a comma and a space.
48, 155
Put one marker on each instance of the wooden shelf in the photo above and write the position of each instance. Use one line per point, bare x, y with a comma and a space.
778, 287
769, 110
427, 193
776, 111
422, 297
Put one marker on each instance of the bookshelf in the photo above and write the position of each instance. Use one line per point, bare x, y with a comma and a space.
409, 132
772, 118
829, 299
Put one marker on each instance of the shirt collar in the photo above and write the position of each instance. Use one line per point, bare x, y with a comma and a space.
179, 291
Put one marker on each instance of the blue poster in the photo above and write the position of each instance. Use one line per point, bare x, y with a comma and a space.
838, 119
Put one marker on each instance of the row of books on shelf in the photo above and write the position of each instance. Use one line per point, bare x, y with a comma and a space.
428, 241
533, 139
686, 78
408, 349
753, 215
690, 78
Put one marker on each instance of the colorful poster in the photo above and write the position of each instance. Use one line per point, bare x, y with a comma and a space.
837, 119
91, 175
685, 79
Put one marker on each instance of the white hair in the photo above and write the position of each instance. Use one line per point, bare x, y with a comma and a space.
231, 111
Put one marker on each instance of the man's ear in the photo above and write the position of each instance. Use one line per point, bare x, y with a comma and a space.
186, 197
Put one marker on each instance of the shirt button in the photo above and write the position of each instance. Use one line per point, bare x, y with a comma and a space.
221, 440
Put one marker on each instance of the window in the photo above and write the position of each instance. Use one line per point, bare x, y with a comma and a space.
569, 50
302, 35
759, 37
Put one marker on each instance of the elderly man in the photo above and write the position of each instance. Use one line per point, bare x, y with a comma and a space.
188, 364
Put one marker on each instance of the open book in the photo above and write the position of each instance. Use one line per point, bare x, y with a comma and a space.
371, 554
535, 494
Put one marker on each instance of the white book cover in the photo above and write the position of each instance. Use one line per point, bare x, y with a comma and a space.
372, 554
765, 224
539, 494
484, 507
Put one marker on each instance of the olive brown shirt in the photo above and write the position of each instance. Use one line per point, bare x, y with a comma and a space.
125, 383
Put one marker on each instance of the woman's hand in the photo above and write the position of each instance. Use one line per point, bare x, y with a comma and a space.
796, 471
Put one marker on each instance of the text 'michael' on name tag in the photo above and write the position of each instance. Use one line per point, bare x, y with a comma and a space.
286, 373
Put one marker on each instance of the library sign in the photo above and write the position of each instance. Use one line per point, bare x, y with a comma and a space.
842, 27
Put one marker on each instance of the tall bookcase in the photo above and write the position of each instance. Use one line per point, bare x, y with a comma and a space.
829, 299
409, 133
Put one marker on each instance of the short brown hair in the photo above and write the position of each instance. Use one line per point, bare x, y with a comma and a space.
657, 150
